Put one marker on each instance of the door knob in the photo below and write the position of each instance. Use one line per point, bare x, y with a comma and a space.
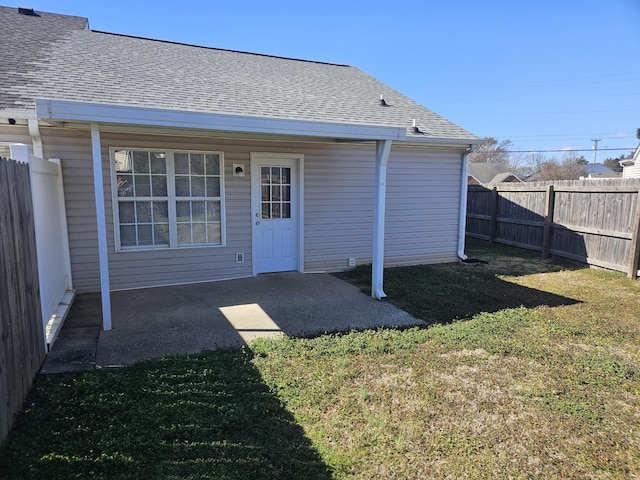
257, 223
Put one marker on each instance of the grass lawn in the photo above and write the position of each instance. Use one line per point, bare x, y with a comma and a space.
529, 369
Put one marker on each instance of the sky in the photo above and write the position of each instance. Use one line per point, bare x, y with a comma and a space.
545, 74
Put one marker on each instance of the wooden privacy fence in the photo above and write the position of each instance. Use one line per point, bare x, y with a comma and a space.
592, 221
22, 347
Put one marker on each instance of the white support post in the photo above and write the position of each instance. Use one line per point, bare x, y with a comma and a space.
383, 147
101, 220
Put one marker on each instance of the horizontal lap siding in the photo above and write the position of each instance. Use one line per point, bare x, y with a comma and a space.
339, 181
423, 204
423, 194
339, 194
145, 268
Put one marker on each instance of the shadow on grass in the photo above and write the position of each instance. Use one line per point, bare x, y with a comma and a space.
445, 293
203, 416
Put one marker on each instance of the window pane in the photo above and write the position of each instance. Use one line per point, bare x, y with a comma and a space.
199, 231
158, 186
264, 174
214, 235
275, 210
122, 161
158, 162
197, 211
145, 237
125, 185
143, 186
182, 187
286, 175
286, 192
266, 193
266, 210
143, 212
213, 211
197, 164
128, 235
184, 233
275, 174
160, 212
275, 193
181, 163
126, 212
183, 211
286, 210
197, 186
141, 162
161, 234
212, 164
213, 187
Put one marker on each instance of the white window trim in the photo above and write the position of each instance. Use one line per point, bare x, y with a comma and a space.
171, 200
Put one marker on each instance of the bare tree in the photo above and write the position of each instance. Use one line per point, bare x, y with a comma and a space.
491, 151
570, 167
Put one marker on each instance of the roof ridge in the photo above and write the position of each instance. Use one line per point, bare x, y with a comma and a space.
220, 49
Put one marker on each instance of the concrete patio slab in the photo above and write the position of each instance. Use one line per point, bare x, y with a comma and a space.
154, 322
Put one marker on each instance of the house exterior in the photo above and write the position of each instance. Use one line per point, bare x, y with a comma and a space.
631, 166
597, 171
180, 164
490, 174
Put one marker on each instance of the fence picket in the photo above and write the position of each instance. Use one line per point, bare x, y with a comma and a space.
597, 222
21, 335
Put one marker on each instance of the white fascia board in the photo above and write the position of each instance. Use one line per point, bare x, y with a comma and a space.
17, 114
70, 110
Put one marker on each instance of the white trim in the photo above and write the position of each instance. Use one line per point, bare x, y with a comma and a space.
299, 157
383, 148
67, 110
101, 221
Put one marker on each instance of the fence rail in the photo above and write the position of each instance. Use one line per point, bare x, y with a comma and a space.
22, 347
595, 222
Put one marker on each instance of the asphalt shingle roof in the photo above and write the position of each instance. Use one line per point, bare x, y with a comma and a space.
53, 56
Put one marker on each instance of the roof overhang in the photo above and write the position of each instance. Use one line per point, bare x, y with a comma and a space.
77, 112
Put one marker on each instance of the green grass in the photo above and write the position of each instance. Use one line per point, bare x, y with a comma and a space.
530, 369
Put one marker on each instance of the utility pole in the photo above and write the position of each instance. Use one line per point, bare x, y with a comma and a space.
595, 148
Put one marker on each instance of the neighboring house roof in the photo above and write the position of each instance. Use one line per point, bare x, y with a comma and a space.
68, 62
597, 168
491, 173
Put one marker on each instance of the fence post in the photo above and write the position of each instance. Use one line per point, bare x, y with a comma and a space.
493, 226
634, 257
548, 220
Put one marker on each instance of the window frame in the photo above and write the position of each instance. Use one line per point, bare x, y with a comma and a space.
171, 200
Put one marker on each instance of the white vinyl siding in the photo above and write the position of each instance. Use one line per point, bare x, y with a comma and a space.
423, 191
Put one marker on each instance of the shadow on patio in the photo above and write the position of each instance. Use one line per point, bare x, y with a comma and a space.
150, 323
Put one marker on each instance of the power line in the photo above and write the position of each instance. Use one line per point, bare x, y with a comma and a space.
569, 150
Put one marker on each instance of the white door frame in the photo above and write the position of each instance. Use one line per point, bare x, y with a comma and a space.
256, 158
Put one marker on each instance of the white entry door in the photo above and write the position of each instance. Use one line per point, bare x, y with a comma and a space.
275, 212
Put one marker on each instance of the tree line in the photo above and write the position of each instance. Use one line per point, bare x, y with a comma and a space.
568, 165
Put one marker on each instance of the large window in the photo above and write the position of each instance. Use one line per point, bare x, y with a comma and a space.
167, 199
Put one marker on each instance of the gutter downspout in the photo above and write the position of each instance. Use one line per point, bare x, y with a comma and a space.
383, 147
462, 220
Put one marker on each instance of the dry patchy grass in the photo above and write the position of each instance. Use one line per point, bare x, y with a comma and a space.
530, 369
